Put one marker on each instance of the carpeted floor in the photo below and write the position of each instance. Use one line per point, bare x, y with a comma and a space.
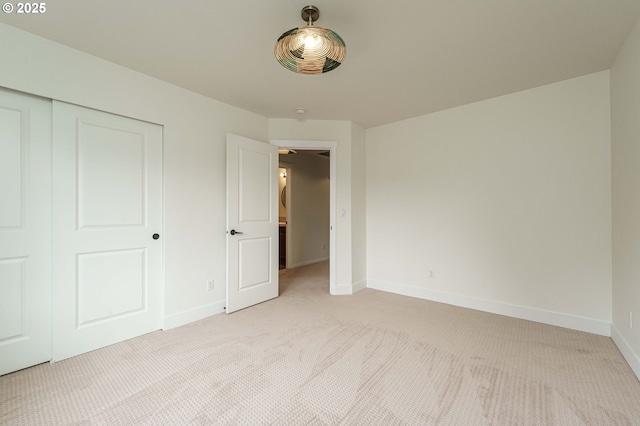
310, 358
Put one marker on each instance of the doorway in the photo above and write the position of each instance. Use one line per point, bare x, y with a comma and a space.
329, 148
283, 169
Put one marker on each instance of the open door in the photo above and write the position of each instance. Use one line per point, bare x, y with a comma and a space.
252, 222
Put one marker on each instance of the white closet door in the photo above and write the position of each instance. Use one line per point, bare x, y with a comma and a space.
107, 229
25, 231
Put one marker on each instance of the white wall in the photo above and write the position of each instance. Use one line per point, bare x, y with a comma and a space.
507, 201
341, 133
625, 138
195, 130
358, 207
309, 188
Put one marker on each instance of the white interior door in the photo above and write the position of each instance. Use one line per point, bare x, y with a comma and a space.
252, 222
25, 231
107, 206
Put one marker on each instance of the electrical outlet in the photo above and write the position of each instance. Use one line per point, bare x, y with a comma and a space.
432, 275
210, 285
324, 246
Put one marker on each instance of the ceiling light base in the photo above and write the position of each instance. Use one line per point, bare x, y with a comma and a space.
310, 14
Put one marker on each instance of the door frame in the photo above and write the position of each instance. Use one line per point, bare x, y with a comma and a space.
332, 147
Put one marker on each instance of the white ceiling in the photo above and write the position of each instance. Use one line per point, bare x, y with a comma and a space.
404, 57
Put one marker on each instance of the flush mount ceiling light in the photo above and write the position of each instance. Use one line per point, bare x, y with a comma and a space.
310, 49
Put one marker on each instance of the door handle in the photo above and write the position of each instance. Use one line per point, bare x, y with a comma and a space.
234, 232
156, 236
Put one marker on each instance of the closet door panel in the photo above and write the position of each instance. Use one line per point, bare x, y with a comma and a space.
25, 231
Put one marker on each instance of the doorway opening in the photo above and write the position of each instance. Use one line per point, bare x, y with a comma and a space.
282, 213
313, 241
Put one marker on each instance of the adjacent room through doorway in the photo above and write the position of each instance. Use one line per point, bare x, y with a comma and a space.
304, 208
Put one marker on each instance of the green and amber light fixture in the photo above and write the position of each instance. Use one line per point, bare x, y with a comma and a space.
310, 49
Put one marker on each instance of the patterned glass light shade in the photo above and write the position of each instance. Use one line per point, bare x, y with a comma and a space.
310, 50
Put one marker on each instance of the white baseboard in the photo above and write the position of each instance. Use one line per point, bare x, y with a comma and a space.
346, 289
589, 325
633, 359
342, 290
359, 286
182, 318
308, 262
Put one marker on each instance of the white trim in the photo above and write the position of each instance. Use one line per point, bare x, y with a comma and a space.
163, 247
359, 286
348, 289
308, 262
331, 146
289, 217
342, 290
574, 322
633, 359
186, 317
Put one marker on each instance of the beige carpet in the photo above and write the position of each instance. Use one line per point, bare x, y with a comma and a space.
311, 358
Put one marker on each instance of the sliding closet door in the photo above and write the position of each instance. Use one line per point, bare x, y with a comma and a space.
107, 229
25, 231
